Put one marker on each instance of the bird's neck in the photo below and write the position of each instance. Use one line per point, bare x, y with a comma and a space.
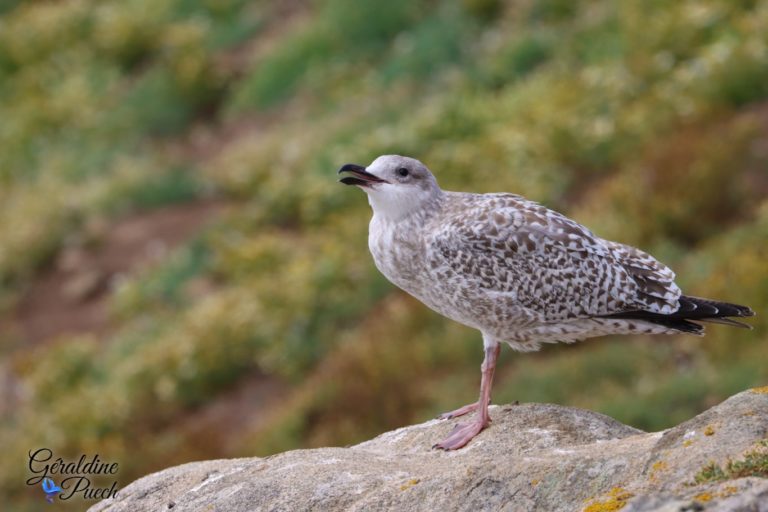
405, 211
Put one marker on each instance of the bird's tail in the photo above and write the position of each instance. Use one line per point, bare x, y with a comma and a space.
693, 308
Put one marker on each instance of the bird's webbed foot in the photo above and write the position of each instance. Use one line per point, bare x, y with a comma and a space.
462, 434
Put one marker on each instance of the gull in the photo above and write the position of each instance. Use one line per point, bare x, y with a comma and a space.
518, 272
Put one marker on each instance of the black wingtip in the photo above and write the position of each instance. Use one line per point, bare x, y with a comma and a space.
723, 308
727, 321
692, 310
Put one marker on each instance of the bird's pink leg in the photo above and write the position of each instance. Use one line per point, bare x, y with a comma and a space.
464, 432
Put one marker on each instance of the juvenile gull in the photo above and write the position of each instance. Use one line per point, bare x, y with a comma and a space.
516, 271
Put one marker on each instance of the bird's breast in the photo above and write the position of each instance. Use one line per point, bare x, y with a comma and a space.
398, 254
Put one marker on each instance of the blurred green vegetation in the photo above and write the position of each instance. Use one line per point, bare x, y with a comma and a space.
647, 121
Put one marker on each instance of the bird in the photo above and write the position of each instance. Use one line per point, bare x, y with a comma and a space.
50, 489
518, 272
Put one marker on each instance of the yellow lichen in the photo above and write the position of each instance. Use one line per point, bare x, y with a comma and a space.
762, 390
687, 443
535, 482
410, 483
657, 468
709, 430
729, 491
617, 498
703, 497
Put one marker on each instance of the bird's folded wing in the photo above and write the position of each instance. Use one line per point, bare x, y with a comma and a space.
657, 290
551, 264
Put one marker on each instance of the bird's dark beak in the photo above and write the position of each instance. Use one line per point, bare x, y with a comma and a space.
359, 176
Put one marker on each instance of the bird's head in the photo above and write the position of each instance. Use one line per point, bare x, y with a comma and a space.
396, 185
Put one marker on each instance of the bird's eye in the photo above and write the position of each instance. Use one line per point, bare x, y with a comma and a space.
402, 172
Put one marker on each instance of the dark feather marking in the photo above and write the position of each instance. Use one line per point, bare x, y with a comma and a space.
692, 308
727, 321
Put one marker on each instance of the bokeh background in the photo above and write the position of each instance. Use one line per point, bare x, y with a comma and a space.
182, 278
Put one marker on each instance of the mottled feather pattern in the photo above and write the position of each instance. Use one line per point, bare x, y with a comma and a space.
517, 270
655, 280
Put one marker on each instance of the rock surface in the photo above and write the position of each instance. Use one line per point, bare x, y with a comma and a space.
533, 457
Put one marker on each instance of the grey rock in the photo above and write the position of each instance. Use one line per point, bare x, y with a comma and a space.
533, 457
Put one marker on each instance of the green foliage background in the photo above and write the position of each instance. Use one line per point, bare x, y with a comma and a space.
645, 120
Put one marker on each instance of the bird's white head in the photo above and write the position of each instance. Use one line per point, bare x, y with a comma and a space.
396, 185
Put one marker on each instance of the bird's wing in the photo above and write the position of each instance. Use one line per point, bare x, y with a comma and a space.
657, 291
551, 265
49, 486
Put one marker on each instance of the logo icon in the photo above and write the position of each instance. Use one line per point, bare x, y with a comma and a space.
51, 489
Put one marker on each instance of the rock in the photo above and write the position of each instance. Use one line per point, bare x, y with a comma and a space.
534, 457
